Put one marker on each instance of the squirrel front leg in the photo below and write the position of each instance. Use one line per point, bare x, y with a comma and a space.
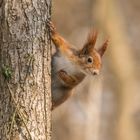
61, 94
61, 44
69, 80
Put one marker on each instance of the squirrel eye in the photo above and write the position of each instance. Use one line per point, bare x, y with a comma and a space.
90, 60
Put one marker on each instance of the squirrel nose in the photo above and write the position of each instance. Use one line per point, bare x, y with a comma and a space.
95, 72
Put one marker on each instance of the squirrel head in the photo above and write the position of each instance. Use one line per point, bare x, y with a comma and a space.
89, 57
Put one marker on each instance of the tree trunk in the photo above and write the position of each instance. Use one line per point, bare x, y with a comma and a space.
25, 100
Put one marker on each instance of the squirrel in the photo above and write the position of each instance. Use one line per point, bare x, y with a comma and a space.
70, 66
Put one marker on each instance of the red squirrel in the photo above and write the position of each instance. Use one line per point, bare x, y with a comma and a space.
70, 66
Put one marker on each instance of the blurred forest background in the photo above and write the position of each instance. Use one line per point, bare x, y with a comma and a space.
106, 107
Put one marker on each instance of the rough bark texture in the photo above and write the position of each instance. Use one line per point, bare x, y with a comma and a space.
25, 100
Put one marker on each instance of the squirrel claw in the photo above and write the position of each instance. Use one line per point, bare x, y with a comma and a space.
51, 26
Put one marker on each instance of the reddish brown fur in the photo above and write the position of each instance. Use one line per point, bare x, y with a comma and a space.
103, 48
65, 80
92, 37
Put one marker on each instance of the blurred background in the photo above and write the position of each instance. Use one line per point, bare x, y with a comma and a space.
105, 107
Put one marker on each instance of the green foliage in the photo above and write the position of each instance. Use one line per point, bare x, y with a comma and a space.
7, 72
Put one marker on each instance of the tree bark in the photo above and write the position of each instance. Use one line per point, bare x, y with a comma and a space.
25, 99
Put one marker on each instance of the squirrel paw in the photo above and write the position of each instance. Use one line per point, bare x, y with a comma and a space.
67, 79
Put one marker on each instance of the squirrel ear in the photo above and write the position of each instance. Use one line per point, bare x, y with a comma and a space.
91, 40
103, 48
92, 37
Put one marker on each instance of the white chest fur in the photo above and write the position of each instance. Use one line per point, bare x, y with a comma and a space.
63, 63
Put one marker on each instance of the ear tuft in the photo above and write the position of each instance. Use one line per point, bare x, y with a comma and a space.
103, 48
92, 37
91, 40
